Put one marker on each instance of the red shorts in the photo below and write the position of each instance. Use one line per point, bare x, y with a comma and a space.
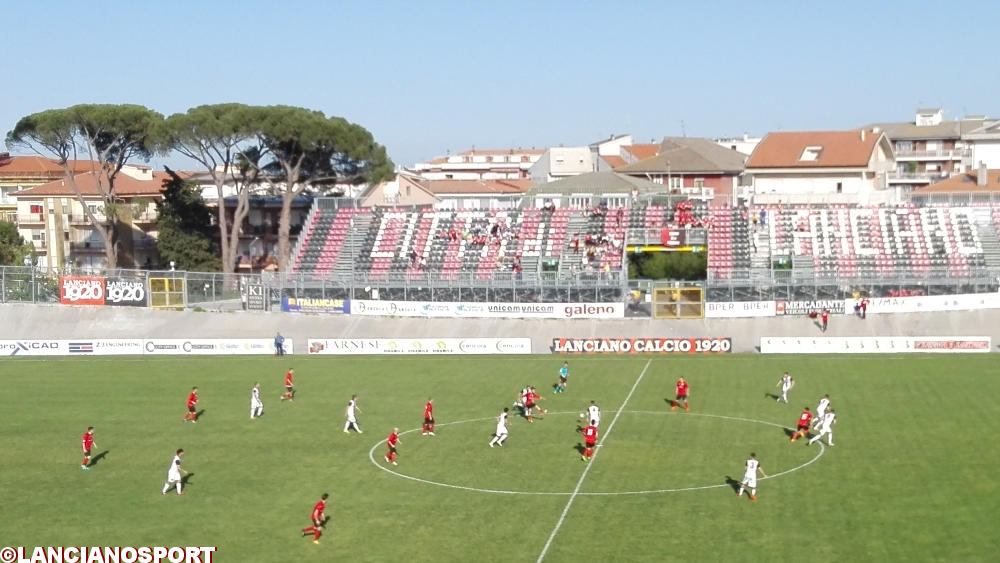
589, 444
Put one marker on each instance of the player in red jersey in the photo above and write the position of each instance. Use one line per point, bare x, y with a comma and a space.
192, 403
589, 439
318, 519
682, 395
87, 443
289, 388
824, 318
392, 442
530, 398
803, 428
428, 429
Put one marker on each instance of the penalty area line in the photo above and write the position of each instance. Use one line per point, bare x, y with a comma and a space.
579, 484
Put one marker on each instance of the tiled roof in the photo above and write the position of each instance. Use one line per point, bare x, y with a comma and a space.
477, 186
598, 182
125, 186
641, 152
966, 182
39, 167
688, 155
614, 161
838, 149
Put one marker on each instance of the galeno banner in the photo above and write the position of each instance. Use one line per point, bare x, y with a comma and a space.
707, 345
400, 346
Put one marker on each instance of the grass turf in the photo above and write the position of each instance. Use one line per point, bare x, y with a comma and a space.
908, 478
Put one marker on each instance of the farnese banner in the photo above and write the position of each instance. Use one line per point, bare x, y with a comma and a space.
708, 345
403, 346
487, 310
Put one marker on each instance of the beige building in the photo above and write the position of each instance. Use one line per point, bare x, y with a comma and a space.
52, 218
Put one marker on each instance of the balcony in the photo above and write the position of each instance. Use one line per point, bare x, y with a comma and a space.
916, 177
941, 154
98, 245
30, 218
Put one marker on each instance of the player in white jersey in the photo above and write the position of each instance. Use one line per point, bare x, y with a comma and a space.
824, 404
501, 432
751, 468
351, 415
174, 473
786, 383
522, 397
256, 406
594, 414
826, 427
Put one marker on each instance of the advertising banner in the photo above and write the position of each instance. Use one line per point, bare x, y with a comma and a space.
256, 297
310, 305
836, 307
81, 290
139, 347
928, 303
398, 346
874, 344
708, 345
212, 346
122, 292
60, 347
733, 309
487, 310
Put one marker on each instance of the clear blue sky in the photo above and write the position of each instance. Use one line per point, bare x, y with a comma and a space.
426, 77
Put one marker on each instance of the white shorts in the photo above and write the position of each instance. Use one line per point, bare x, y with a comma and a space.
750, 480
501, 431
351, 419
256, 404
595, 421
173, 477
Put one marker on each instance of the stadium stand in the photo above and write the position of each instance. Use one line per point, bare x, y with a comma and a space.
817, 241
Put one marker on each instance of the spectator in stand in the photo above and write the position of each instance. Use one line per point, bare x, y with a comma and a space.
621, 217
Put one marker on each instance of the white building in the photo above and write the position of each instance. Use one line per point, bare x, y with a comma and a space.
479, 164
822, 167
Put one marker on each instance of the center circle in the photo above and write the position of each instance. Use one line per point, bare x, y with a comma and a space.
390, 470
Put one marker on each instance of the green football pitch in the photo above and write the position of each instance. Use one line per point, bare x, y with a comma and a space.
910, 477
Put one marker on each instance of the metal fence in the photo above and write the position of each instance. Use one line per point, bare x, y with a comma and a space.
218, 291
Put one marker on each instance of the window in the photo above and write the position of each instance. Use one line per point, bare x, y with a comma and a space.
699, 182
36, 209
676, 182
904, 146
811, 154
840, 187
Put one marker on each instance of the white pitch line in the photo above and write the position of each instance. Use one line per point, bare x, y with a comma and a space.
579, 484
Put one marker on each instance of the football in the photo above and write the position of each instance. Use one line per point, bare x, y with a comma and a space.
583, 415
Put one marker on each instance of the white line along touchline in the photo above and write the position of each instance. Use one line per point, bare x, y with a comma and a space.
586, 470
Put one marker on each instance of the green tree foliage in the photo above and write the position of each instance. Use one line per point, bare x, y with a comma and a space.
309, 152
668, 265
222, 139
109, 136
185, 227
13, 249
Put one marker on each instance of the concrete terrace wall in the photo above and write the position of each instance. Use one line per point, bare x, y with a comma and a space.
60, 321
